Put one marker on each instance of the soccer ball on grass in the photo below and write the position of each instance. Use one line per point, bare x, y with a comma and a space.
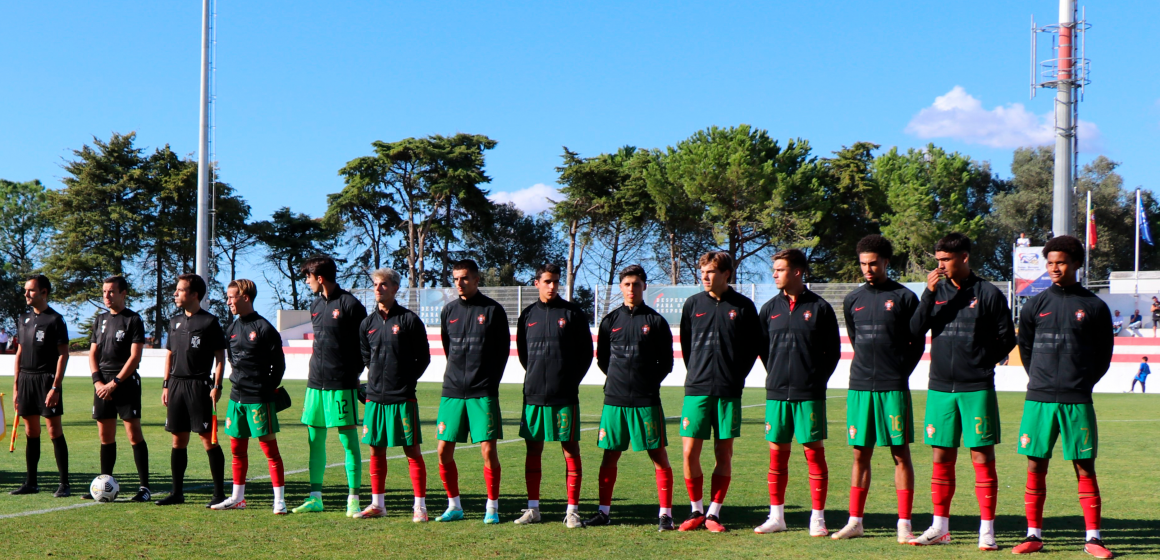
104, 488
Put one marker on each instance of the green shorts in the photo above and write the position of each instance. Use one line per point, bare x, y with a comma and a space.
550, 423
972, 416
881, 418
644, 426
330, 409
478, 416
392, 425
250, 420
804, 419
1044, 422
705, 416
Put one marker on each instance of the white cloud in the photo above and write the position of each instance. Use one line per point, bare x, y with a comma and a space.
959, 116
531, 200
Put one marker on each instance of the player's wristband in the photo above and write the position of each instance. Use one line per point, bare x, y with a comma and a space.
96, 377
165, 384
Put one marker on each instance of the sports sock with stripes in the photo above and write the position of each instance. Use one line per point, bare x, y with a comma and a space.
378, 470
778, 475
353, 465
274, 461
942, 488
108, 457
986, 489
31, 459
1034, 496
141, 460
217, 469
1089, 500
607, 484
60, 450
573, 476
449, 474
417, 468
819, 477
317, 457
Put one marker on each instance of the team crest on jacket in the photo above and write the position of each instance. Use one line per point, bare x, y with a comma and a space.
395, 329
889, 304
973, 302
253, 335
807, 315
561, 322
645, 329
481, 319
334, 313
195, 342
1024, 441
732, 314
1078, 317
930, 430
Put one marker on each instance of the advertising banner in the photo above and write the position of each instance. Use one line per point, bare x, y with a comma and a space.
1030, 271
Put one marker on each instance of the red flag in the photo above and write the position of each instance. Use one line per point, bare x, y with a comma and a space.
1092, 232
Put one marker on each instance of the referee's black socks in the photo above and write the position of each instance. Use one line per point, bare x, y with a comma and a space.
60, 449
141, 458
31, 459
178, 460
108, 457
217, 469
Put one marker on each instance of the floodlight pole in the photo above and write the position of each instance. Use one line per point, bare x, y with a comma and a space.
203, 164
1063, 213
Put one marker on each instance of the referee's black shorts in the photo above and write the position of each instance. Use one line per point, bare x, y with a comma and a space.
190, 408
126, 401
31, 391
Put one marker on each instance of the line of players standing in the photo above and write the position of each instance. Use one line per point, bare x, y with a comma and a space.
1064, 341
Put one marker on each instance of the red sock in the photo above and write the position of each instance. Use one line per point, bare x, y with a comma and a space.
778, 475
449, 474
665, 487
418, 470
857, 501
1089, 500
986, 489
693, 485
1033, 498
491, 480
718, 487
274, 458
607, 483
819, 477
905, 503
532, 474
378, 470
572, 477
239, 449
942, 488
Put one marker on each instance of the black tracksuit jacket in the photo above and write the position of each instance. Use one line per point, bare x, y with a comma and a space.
336, 362
477, 343
395, 352
719, 343
555, 347
800, 347
257, 362
634, 348
878, 323
971, 331
1065, 341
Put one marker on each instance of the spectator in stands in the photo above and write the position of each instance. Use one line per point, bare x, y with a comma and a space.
1135, 322
1141, 375
1155, 314
1117, 323
3, 340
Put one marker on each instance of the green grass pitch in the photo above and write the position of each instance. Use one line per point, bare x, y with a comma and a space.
1128, 479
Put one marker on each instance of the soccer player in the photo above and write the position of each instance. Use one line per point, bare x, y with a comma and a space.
1065, 341
116, 344
396, 353
477, 343
634, 348
554, 345
41, 358
332, 385
190, 391
800, 348
720, 337
1141, 376
971, 331
878, 407
257, 364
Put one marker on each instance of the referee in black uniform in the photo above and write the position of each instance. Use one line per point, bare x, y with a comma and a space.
40, 363
116, 343
196, 341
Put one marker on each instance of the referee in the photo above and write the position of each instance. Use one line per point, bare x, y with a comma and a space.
41, 358
196, 341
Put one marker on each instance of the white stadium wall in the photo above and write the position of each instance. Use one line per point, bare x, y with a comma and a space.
1008, 378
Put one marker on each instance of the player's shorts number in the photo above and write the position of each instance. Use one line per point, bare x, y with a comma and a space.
1086, 434
982, 425
896, 423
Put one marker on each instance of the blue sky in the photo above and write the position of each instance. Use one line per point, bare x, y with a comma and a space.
304, 87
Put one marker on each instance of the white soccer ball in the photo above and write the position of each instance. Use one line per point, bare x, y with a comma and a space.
104, 488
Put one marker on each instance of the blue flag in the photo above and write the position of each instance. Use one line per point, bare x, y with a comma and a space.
1145, 233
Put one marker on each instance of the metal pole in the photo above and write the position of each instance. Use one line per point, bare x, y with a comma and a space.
1063, 212
203, 163
1136, 275
1087, 249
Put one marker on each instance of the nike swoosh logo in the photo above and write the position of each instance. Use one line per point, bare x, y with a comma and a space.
699, 314
859, 308
1045, 314
617, 329
1085, 450
453, 320
533, 324
775, 316
940, 302
372, 331
313, 314
233, 336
